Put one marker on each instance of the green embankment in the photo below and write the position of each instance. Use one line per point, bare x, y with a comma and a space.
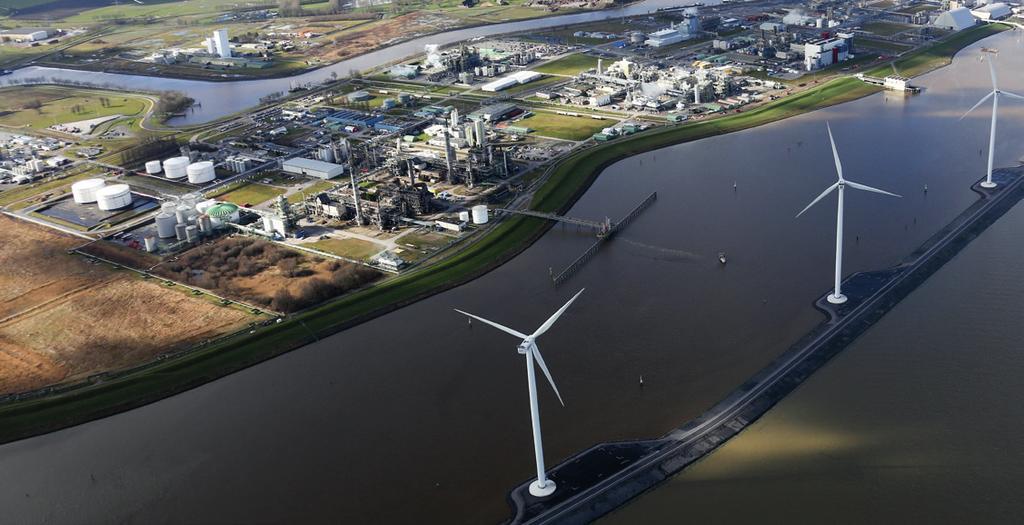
505, 240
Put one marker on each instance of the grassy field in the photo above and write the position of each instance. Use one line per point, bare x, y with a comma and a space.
535, 85
499, 244
938, 55
58, 105
885, 28
569, 65
351, 248
881, 45
564, 126
251, 194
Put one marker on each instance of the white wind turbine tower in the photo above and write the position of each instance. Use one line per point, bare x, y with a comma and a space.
837, 297
994, 94
542, 486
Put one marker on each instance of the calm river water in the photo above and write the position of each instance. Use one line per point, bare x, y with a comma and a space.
416, 417
918, 422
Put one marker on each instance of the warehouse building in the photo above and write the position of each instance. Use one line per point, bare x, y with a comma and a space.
313, 168
955, 19
27, 34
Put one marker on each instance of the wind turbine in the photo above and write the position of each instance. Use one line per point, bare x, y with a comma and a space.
994, 94
542, 486
837, 297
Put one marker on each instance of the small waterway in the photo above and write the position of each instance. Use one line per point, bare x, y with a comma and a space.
218, 99
417, 417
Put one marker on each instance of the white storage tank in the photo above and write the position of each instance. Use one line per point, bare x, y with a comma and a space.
114, 197
150, 244
480, 214
200, 172
165, 223
463, 216
84, 191
153, 167
174, 167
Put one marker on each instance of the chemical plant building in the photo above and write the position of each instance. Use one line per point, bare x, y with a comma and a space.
313, 168
675, 33
827, 51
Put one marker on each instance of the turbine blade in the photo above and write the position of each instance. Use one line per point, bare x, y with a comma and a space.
505, 329
992, 71
835, 153
554, 317
980, 102
863, 187
822, 196
1011, 95
544, 368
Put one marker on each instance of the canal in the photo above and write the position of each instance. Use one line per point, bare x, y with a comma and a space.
418, 417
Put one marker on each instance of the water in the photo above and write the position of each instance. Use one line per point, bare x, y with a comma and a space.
219, 99
418, 417
917, 422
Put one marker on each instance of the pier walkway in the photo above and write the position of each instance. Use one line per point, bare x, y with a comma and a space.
606, 476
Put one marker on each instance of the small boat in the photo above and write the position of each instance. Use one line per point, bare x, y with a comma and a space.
721, 257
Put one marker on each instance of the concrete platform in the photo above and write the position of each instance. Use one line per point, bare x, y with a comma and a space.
606, 476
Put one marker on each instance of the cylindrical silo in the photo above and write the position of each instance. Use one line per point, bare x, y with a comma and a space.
150, 244
200, 172
480, 214
205, 224
181, 214
84, 191
168, 207
174, 167
464, 216
191, 233
165, 225
114, 197
179, 231
153, 167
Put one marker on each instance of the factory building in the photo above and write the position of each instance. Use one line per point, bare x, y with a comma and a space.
494, 112
313, 168
825, 52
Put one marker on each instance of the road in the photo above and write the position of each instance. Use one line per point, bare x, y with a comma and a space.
575, 508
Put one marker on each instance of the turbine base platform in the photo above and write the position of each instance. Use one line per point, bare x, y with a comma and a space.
538, 491
836, 299
987, 184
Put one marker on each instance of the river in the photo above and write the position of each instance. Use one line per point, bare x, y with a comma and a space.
219, 99
917, 422
417, 417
